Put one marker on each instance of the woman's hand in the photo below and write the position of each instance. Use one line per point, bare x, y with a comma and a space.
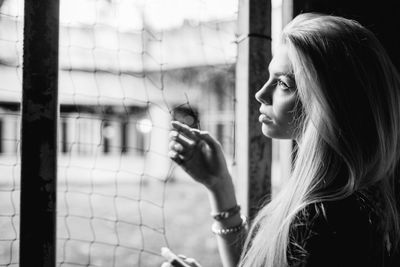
175, 261
189, 261
200, 155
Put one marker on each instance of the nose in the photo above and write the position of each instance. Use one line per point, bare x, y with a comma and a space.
264, 95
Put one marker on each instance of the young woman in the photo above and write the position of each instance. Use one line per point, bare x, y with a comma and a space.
334, 90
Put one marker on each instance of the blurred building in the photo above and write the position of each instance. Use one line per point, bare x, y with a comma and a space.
119, 89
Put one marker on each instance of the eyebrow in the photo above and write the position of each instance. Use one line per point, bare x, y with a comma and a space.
288, 74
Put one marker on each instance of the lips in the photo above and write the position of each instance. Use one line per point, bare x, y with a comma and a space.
263, 118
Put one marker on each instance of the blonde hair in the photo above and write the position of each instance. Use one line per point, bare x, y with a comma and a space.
350, 130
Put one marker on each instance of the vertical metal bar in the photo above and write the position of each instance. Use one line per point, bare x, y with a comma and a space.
39, 134
253, 161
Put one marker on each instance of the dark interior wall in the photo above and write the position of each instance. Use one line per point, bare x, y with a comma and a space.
380, 16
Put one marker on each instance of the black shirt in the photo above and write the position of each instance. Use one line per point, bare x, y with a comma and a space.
340, 233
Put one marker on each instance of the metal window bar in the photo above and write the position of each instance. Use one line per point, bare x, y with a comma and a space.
39, 134
253, 165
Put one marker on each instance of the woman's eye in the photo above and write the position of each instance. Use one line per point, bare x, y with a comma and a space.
282, 84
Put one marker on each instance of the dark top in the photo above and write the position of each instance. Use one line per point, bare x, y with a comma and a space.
340, 233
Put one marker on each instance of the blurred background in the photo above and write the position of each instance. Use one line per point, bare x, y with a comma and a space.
126, 69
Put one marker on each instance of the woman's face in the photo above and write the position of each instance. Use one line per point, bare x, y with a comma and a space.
278, 98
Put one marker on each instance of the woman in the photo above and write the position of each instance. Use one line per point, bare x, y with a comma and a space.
334, 90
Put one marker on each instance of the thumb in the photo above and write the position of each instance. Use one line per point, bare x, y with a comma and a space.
209, 139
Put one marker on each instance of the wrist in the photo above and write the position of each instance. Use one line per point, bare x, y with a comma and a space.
219, 229
226, 214
222, 184
222, 197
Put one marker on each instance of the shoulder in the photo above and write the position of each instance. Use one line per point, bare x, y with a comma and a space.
352, 214
329, 232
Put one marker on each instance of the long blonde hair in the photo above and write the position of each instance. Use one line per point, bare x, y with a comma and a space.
349, 132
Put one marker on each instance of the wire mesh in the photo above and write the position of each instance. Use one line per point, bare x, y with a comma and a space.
124, 75
11, 21
127, 68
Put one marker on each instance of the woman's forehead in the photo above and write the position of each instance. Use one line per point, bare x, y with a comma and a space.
280, 62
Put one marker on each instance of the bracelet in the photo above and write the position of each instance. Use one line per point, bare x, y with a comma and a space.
223, 215
229, 230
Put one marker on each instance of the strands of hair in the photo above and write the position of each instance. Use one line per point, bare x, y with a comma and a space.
337, 90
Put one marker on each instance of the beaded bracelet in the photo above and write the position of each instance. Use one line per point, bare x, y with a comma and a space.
229, 230
223, 215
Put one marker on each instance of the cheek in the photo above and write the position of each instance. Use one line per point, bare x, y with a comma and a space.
284, 116
283, 108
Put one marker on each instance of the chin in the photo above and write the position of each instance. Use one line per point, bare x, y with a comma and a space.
274, 132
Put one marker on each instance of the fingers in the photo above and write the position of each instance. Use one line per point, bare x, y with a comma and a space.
180, 151
190, 261
182, 139
179, 159
176, 146
174, 260
189, 137
188, 132
185, 140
